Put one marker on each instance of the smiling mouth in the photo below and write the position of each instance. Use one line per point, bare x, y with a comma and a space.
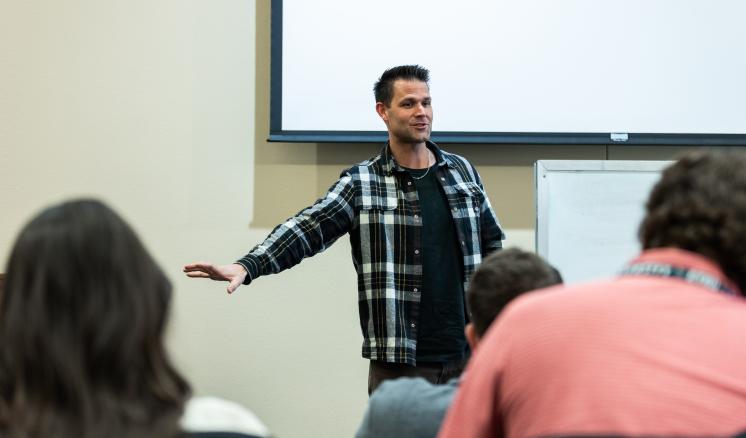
420, 125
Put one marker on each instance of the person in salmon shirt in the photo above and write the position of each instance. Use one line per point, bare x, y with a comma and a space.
657, 351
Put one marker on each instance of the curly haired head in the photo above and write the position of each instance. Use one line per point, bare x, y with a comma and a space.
699, 205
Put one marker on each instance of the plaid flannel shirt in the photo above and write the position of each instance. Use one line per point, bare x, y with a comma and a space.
376, 203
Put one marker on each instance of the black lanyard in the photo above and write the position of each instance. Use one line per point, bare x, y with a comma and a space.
690, 275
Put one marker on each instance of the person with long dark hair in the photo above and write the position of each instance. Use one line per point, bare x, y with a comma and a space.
82, 319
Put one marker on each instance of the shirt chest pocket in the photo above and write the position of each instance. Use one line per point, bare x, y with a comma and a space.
377, 224
377, 204
377, 209
467, 199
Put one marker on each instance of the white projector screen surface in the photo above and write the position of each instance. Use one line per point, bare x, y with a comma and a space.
563, 67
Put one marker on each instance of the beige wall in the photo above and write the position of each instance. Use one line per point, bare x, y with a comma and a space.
161, 109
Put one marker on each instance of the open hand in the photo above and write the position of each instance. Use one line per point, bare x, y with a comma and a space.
233, 273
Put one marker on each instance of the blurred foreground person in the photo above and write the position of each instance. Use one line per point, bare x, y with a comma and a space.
82, 317
658, 351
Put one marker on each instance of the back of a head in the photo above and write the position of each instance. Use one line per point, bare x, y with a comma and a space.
500, 278
383, 89
699, 205
81, 327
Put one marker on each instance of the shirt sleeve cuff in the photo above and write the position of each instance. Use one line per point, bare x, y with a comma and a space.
251, 266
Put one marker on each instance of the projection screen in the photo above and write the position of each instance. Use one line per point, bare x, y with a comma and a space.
530, 71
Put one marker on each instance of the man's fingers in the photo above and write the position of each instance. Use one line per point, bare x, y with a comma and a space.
234, 285
199, 266
197, 274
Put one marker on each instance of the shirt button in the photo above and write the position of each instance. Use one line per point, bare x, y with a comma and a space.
412, 325
463, 243
455, 209
442, 178
415, 290
415, 217
476, 208
409, 183
416, 251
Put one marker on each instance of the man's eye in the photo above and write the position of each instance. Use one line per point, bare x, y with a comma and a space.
407, 105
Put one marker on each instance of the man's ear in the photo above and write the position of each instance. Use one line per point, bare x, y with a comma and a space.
381, 110
471, 336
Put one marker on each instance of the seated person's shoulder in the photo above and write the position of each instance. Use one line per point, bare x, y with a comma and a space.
409, 388
211, 417
407, 407
219, 435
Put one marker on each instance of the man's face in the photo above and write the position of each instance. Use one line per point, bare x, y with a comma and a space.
409, 117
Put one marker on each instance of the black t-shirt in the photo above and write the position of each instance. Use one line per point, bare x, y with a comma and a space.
442, 316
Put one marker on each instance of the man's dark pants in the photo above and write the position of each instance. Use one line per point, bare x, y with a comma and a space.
433, 372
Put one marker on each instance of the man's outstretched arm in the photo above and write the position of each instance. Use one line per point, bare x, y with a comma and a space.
307, 233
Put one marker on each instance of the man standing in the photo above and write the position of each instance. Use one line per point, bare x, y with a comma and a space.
657, 351
419, 224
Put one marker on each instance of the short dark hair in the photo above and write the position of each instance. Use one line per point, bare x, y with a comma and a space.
384, 87
699, 205
82, 318
500, 278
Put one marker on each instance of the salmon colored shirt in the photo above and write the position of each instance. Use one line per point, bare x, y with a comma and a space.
635, 355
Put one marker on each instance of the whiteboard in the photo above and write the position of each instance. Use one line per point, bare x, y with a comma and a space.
588, 213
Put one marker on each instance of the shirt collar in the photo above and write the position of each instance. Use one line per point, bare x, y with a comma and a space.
686, 259
390, 165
